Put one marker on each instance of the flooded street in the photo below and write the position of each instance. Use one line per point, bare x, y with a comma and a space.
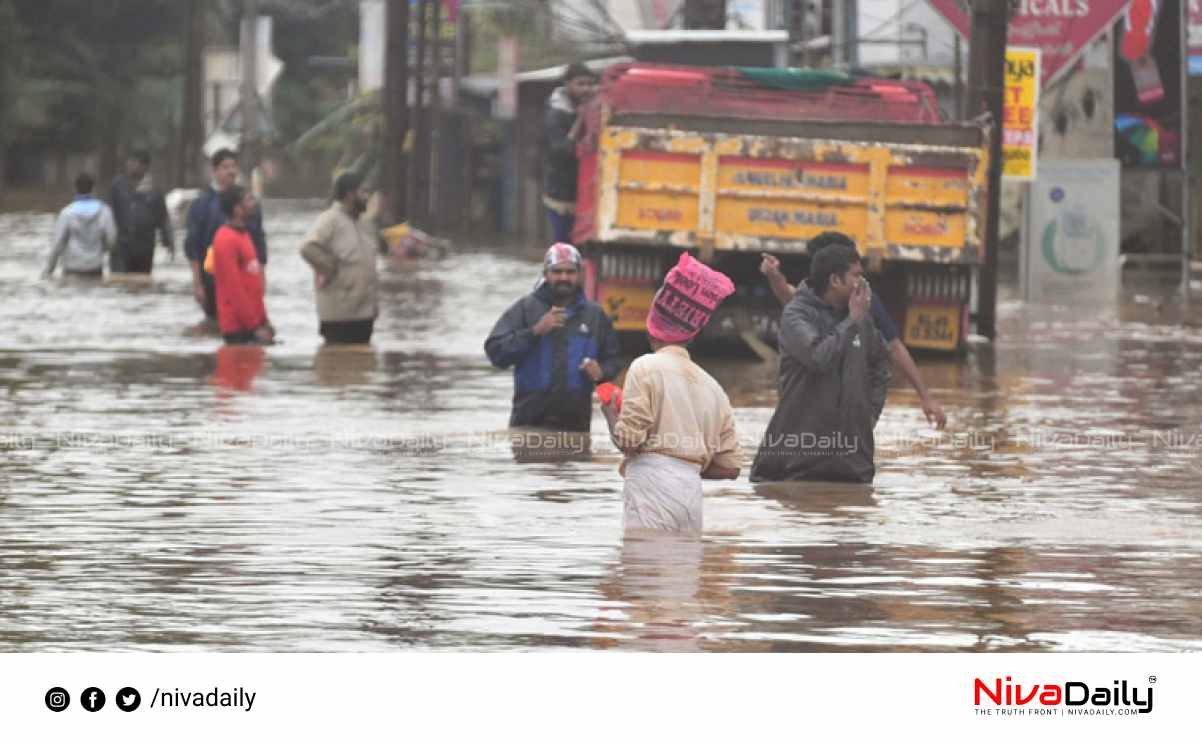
160, 493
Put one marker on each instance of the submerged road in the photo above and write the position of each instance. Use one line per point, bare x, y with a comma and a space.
160, 493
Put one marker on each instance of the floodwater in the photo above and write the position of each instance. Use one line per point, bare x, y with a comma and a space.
160, 493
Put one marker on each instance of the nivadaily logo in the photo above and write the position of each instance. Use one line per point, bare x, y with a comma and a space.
1064, 698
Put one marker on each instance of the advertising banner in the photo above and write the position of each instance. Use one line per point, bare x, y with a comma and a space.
1194, 37
1020, 111
1071, 239
1061, 29
1147, 84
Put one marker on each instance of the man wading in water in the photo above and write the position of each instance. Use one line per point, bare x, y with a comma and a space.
834, 373
676, 426
560, 344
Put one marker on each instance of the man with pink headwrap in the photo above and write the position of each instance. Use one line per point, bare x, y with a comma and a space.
676, 426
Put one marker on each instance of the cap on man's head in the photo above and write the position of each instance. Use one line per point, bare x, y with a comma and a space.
561, 253
575, 70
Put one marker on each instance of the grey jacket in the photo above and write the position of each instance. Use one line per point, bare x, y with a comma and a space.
85, 231
344, 250
834, 374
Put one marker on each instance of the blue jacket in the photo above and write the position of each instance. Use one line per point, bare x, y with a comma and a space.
549, 389
205, 218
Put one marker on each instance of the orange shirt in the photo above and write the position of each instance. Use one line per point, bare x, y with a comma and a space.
239, 279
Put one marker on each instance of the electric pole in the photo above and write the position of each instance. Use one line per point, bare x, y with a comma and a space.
419, 176
396, 111
191, 135
986, 83
250, 93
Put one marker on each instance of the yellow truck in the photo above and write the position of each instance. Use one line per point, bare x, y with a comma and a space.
718, 162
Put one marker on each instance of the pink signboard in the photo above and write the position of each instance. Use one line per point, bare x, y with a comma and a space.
1061, 29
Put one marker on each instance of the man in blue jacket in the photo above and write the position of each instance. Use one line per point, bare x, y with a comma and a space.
561, 346
205, 218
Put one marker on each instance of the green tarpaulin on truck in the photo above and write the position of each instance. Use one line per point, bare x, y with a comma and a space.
793, 78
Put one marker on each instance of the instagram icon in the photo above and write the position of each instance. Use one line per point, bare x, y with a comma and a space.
57, 699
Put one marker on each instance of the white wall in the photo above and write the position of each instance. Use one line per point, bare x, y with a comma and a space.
911, 20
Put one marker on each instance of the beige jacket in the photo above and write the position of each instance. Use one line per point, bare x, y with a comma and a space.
344, 251
671, 406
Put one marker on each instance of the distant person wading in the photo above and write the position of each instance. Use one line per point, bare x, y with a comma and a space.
141, 212
84, 232
238, 274
205, 217
342, 250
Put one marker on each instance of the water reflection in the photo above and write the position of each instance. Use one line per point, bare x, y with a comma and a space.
237, 367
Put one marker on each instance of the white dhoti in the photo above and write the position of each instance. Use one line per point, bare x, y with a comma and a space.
662, 493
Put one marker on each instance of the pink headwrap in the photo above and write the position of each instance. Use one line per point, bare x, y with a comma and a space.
561, 253
683, 305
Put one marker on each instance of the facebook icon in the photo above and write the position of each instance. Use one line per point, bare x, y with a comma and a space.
92, 699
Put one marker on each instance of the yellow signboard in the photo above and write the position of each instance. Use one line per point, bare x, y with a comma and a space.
1020, 113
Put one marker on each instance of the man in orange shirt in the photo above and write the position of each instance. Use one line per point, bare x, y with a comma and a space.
238, 274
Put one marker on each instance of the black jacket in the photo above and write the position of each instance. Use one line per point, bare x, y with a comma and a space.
559, 166
205, 218
834, 374
549, 390
139, 215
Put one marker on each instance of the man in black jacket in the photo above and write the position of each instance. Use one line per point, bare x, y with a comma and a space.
561, 126
560, 344
140, 211
834, 374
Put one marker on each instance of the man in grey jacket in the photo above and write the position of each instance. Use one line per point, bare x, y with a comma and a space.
85, 231
342, 250
834, 373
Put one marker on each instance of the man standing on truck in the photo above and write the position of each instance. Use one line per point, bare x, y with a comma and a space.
561, 125
833, 377
898, 352
560, 345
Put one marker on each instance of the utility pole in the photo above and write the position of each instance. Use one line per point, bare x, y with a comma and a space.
986, 83
434, 150
191, 135
419, 181
249, 89
396, 111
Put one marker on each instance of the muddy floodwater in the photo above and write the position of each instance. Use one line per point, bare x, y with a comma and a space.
160, 493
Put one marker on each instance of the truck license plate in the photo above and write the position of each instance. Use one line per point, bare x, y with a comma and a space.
627, 306
933, 326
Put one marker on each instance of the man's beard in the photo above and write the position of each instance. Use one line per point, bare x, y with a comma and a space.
563, 289
359, 206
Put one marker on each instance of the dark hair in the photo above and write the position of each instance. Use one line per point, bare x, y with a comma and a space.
830, 237
835, 259
222, 155
84, 183
575, 70
142, 156
346, 183
230, 198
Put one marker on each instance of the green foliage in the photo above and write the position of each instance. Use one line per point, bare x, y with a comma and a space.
89, 73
